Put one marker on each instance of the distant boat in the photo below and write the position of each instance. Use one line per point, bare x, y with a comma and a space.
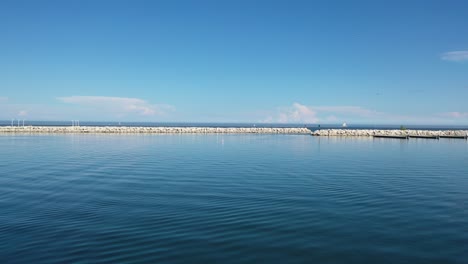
344, 124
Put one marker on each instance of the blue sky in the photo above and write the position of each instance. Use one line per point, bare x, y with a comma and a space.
391, 62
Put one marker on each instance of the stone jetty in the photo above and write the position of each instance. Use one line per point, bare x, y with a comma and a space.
154, 130
389, 133
234, 130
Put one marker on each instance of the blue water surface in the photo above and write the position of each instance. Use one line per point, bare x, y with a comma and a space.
232, 199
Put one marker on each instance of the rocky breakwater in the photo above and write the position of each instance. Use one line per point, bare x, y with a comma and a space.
388, 132
154, 130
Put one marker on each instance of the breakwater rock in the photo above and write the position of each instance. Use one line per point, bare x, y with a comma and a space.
388, 132
154, 130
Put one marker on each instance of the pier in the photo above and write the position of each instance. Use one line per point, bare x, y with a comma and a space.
459, 137
427, 137
390, 136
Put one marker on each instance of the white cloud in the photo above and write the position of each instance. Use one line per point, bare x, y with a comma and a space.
298, 113
3, 99
461, 55
120, 106
89, 108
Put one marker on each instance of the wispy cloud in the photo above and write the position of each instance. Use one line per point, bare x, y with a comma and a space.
302, 114
461, 55
346, 110
120, 106
455, 115
22, 113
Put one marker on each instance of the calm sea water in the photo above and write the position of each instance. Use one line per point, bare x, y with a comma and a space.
232, 199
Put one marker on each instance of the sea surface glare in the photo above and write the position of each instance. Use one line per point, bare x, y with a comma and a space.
232, 199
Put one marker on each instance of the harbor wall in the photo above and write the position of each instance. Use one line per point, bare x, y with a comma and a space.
153, 130
387, 132
231, 130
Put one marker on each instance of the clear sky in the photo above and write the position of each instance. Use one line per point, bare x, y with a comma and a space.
391, 62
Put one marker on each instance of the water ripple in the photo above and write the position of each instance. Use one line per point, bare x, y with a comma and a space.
231, 199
